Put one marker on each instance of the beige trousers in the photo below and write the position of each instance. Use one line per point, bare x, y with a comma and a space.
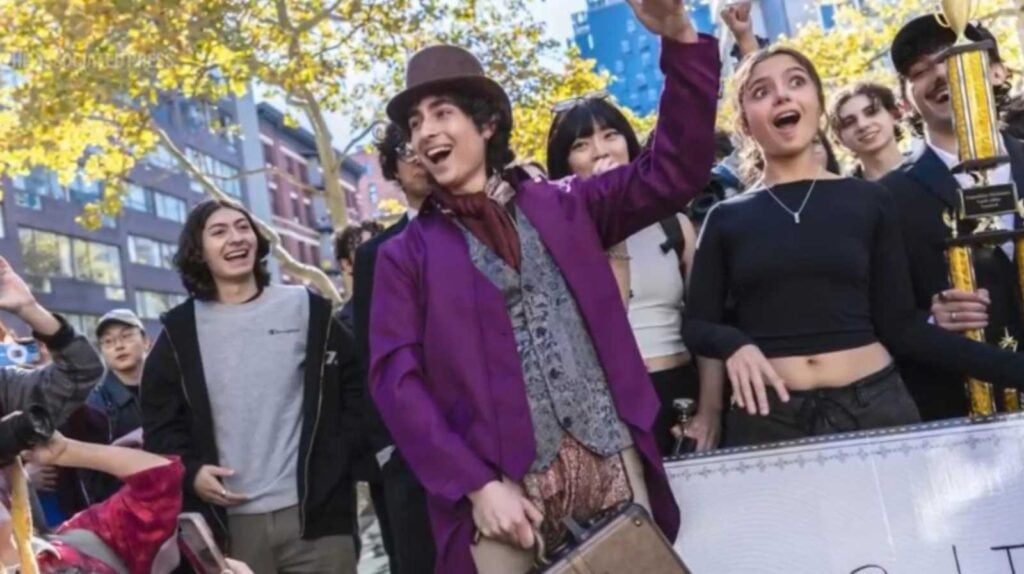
494, 557
270, 544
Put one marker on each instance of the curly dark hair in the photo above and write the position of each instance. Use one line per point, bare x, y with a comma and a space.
349, 239
389, 149
189, 260
877, 94
485, 111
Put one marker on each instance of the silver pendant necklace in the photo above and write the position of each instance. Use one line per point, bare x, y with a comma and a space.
795, 214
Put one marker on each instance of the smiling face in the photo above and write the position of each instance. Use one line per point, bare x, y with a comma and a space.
926, 87
605, 145
864, 126
781, 106
449, 144
229, 246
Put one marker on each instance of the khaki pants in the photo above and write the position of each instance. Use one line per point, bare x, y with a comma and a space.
270, 544
494, 557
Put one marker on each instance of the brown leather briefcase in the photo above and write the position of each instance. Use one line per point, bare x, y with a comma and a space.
625, 542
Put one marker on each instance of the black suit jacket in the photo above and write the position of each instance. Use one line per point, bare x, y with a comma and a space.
377, 434
924, 189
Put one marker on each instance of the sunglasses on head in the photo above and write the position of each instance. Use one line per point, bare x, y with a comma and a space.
566, 105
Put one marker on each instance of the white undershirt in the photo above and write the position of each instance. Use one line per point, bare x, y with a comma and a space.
656, 294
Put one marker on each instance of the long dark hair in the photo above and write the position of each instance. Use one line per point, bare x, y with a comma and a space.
194, 270
579, 122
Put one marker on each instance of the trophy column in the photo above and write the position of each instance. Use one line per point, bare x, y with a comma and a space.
981, 205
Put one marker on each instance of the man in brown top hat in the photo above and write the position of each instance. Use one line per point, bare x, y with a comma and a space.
500, 291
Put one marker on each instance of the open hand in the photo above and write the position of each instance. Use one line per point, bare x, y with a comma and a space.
15, 296
666, 18
960, 311
751, 374
502, 512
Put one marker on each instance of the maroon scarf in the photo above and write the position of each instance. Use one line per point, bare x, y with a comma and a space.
485, 216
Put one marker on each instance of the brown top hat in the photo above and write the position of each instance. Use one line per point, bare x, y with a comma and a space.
439, 69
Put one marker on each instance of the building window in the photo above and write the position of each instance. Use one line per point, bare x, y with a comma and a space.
84, 324
645, 59
827, 13
641, 81
99, 263
152, 304
631, 25
625, 46
82, 191
222, 174
314, 251
138, 198
170, 207
296, 207
268, 154
307, 202
162, 157
590, 41
30, 189
302, 253
652, 94
45, 255
151, 252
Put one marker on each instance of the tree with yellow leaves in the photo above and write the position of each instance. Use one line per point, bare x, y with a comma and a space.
89, 74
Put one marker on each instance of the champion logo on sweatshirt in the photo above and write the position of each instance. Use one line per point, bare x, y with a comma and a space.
283, 331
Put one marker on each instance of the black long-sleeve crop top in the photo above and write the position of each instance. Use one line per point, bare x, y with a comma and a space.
837, 280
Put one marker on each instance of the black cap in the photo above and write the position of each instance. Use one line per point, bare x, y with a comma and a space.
924, 36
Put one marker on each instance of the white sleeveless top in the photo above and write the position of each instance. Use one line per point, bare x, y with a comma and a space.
656, 301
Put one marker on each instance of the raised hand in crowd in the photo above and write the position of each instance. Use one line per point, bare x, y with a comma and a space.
209, 487
17, 298
737, 18
666, 18
751, 374
960, 311
502, 512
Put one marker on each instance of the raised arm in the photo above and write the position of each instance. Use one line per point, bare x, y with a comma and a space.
438, 455
676, 166
61, 386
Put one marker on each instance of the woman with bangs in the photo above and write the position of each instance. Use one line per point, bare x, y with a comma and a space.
590, 136
815, 267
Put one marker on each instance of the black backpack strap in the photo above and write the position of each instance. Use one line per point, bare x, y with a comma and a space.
674, 236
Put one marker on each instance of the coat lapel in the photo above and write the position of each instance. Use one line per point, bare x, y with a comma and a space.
928, 169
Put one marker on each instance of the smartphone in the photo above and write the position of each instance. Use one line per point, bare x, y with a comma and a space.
19, 354
199, 548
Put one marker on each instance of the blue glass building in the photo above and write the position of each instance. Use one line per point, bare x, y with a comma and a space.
609, 33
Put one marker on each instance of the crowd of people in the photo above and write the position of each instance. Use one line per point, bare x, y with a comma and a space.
518, 346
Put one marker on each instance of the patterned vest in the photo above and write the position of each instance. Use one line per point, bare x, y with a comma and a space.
565, 384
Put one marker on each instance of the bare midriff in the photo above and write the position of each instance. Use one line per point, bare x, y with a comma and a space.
831, 370
666, 362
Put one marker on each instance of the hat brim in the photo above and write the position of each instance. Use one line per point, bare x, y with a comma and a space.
905, 49
113, 321
400, 107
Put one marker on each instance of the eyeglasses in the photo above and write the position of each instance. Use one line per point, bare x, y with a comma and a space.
566, 105
111, 341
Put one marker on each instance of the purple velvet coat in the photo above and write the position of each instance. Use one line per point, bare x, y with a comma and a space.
445, 373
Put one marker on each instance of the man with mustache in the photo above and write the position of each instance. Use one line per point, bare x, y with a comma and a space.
925, 188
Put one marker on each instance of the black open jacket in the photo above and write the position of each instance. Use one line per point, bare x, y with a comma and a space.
177, 418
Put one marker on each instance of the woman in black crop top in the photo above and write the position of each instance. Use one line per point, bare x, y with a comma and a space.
815, 269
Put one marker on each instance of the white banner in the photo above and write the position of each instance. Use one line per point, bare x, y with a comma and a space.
944, 498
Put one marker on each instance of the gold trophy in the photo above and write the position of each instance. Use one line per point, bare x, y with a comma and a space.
982, 204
